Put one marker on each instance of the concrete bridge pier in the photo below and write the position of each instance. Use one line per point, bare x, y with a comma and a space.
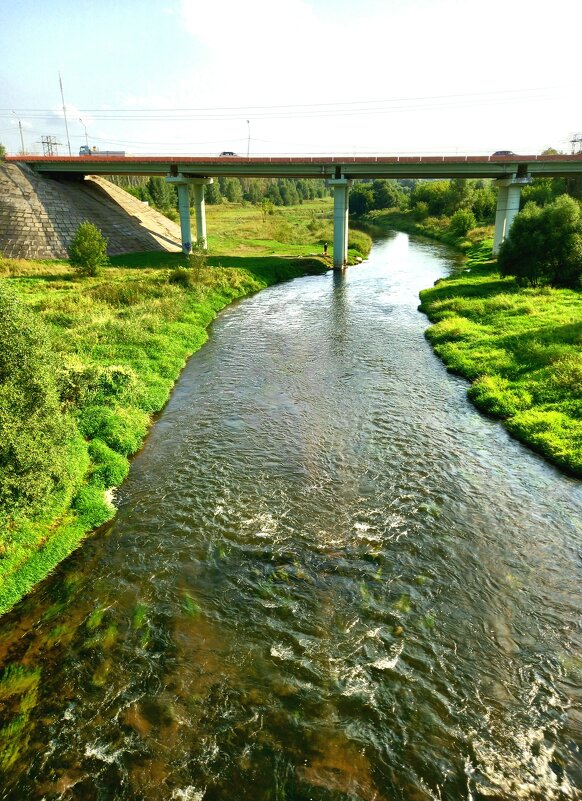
341, 190
181, 182
507, 206
200, 207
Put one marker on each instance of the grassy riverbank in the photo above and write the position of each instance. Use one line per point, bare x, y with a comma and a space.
521, 348
121, 340
431, 227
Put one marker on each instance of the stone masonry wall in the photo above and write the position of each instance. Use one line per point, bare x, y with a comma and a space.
39, 215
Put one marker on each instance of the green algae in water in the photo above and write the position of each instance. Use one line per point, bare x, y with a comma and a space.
18, 694
421, 580
403, 604
62, 634
190, 606
95, 618
101, 673
139, 619
428, 621
109, 637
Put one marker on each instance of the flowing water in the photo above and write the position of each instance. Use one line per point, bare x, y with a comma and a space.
330, 578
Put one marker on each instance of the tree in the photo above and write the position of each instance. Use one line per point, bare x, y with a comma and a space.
544, 245
34, 433
436, 195
387, 194
163, 195
2, 152
483, 203
212, 195
274, 195
88, 249
267, 207
233, 190
361, 199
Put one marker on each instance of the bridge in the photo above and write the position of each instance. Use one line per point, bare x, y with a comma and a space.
510, 173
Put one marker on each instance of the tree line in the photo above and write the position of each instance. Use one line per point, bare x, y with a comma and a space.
278, 191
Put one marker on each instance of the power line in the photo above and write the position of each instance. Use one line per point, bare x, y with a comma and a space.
336, 103
348, 108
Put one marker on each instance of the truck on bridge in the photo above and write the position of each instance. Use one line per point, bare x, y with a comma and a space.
85, 150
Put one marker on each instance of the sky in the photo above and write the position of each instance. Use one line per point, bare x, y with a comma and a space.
291, 76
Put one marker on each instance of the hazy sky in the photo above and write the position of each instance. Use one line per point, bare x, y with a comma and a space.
311, 76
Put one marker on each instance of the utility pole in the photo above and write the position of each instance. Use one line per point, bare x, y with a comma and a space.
85, 127
576, 142
65, 114
249, 138
21, 136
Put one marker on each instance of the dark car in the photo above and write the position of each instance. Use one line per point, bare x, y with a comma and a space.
227, 153
504, 153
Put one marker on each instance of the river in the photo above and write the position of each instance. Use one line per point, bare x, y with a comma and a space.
330, 579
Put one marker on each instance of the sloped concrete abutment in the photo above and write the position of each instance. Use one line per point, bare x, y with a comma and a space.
39, 215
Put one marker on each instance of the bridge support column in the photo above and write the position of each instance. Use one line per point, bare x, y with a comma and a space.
181, 182
200, 207
341, 189
507, 207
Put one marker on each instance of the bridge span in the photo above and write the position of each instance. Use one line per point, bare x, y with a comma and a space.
510, 173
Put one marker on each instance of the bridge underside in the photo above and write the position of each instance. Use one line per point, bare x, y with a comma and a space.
510, 173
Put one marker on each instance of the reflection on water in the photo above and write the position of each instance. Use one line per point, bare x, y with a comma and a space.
330, 578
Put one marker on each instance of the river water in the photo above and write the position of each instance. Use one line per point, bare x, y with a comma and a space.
330, 578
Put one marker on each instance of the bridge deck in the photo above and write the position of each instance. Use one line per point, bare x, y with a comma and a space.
311, 166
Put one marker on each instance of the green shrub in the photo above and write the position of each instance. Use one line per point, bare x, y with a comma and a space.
34, 432
544, 245
461, 222
2, 152
88, 249
182, 277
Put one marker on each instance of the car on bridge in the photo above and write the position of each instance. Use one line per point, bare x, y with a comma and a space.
504, 153
227, 153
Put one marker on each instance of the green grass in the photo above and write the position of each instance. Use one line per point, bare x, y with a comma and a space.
521, 348
237, 230
122, 338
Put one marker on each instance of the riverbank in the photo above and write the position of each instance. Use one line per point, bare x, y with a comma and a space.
121, 340
432, 227
519, 347
521, 350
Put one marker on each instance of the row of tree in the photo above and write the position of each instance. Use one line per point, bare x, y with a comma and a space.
279, 191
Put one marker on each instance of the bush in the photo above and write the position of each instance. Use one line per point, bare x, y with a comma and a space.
34, 432
544, 245
2, 152
88, 249
182, 277
420, 210
461, 222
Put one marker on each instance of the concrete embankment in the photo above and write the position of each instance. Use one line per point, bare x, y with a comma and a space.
39, 215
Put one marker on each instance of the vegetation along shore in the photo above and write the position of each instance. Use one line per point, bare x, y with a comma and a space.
512, 326
87, 360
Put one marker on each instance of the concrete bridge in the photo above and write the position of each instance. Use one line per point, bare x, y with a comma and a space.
510, 173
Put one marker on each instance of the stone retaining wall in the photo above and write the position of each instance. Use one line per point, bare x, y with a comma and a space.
39, 215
